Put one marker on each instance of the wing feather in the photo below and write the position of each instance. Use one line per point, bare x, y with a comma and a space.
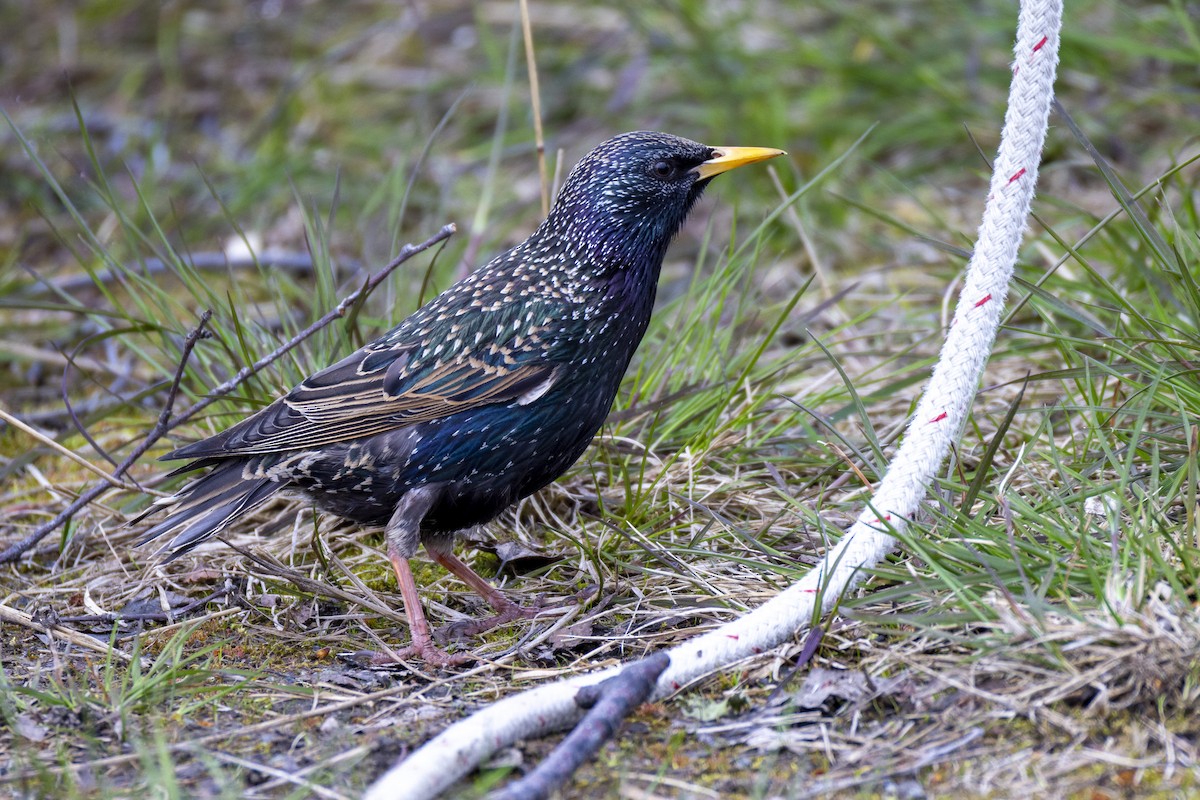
370, 392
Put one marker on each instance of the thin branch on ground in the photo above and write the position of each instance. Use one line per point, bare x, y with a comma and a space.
82, 640
160, 427
609, 702
159, 616
166, 423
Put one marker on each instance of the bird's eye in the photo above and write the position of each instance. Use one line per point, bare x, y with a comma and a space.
664, 170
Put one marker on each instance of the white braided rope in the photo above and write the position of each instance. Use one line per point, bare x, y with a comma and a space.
932, 430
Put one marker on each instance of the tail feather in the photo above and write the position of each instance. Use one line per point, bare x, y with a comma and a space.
207, 506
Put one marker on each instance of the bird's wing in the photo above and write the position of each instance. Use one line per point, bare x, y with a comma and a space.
376, 389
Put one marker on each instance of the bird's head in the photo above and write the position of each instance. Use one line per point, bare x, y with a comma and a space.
627, 198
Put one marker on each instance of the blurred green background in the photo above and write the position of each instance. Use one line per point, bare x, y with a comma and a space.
267, 104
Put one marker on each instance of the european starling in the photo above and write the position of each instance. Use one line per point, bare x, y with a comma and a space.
486, 394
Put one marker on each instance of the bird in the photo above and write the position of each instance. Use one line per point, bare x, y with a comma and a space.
484, 395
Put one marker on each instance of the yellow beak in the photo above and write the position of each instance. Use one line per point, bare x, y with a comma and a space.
727, 158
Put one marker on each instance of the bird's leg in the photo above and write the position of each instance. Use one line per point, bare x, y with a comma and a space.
506, 610
422, 643
403, 537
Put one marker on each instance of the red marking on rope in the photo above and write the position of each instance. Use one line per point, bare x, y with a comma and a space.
939, 418
1020, 172
1039, 45
886, 518
986, 299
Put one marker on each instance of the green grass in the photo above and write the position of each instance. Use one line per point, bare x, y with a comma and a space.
132, 703
1051, 578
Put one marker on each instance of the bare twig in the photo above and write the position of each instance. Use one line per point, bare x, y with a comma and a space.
609, 702
164, 418
158, 616
406, 252
16, 617
15, 551
166, 423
